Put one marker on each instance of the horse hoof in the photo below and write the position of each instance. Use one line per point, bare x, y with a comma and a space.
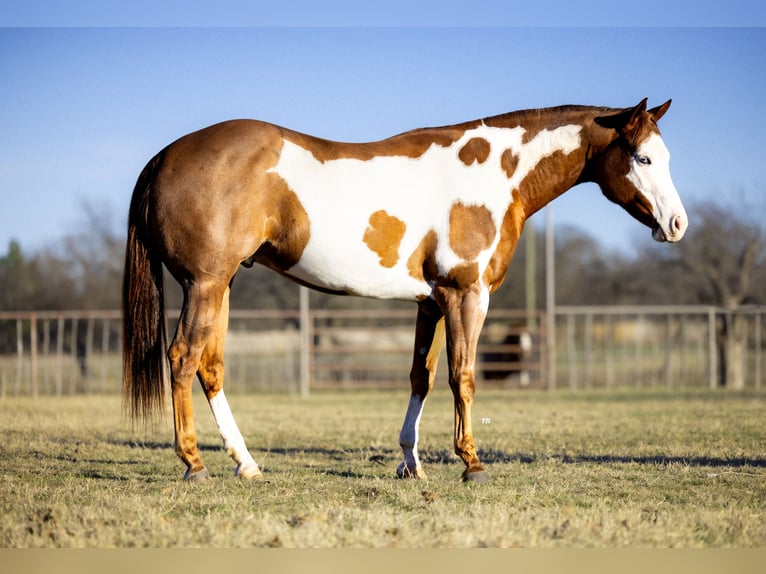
248, 472
197, 475
404, 471
477, 476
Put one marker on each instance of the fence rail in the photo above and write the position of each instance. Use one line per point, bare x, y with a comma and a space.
671, 346
74, 352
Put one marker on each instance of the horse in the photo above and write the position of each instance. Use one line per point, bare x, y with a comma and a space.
432, 216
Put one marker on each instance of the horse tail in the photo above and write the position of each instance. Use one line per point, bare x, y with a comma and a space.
144, 336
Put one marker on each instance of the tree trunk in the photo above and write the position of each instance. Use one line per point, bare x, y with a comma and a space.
732, 340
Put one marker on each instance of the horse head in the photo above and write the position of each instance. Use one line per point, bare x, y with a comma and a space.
633, 171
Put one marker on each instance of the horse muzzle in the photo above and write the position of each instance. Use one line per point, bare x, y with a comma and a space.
672, 231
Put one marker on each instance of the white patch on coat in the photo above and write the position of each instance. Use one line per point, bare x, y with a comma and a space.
340, 195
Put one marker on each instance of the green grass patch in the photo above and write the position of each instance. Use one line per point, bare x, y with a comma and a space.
586, 469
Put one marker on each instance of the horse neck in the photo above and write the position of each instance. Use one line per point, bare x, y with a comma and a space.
561, 170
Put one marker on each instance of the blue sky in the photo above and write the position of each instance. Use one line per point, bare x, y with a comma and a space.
83, 108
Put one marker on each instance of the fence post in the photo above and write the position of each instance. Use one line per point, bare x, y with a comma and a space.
571, 351
33, 352
550, 295
669, 356
608, 351
588, 349
46, 352
88, 359
73, 352
757, 345
305, 321
19, 356
712, 359
638, 371
59, 358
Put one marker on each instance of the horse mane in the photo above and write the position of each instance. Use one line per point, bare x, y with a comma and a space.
533, 114
518, 118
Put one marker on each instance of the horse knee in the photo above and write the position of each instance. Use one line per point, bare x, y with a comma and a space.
183, 365
463, 387
177, 354
211, 374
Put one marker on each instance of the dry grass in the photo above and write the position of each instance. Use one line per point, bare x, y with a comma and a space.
593, 469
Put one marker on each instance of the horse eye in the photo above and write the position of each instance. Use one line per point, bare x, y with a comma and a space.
643, 160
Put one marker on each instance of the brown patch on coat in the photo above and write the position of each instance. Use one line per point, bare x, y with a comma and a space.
509, 161
422, 263
552, 176
286, 230
471, 230
383, 236
510, 231
461, 276
412, 144
475, 150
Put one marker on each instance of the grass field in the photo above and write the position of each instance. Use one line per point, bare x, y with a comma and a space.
591, 469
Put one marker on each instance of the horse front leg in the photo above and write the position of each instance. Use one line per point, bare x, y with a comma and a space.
429, 336
465, 312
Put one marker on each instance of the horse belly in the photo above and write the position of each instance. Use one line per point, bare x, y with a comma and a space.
347, 266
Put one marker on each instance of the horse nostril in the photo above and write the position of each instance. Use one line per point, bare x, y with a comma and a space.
677, 223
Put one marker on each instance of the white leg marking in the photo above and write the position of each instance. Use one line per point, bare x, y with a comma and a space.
233, 441
408, 437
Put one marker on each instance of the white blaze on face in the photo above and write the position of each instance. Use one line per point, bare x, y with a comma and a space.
650, 174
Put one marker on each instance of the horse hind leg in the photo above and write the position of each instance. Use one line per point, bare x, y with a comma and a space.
202, 303
211, 374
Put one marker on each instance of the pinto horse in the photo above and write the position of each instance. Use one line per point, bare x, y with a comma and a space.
431, 215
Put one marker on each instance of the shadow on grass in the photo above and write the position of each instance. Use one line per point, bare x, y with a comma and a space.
152, 445
736, 462
386, 457
497, 456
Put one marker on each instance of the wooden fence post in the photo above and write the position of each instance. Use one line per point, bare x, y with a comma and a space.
19, 357
33, 352
712, 351
758, 351
59, 357
306, 340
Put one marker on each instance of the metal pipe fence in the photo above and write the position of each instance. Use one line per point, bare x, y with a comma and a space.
658, 346
79, 352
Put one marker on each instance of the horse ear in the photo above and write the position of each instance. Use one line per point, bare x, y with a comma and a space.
625, 120
659, 111
640, 108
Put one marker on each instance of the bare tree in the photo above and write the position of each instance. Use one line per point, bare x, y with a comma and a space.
723, 254
95, 253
